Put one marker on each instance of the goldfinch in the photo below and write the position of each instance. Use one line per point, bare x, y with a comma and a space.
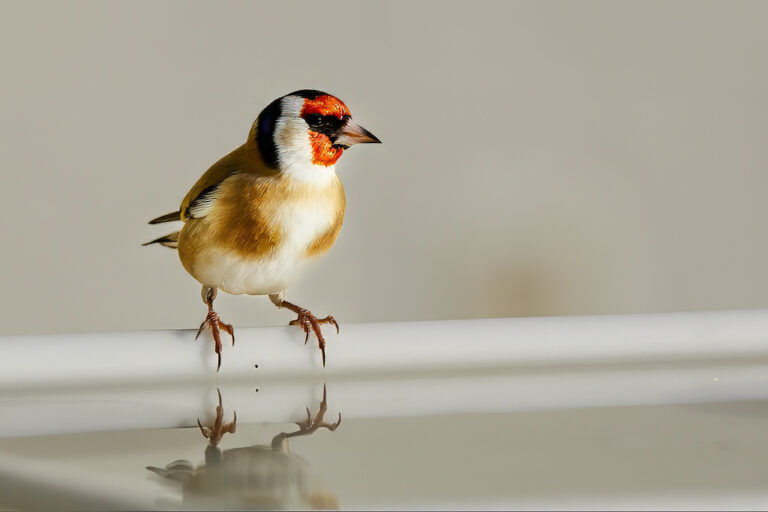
262, 212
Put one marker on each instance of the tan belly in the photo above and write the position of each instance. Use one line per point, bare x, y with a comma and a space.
303, 234
259, 247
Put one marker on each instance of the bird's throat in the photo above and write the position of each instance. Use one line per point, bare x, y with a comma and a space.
323, 150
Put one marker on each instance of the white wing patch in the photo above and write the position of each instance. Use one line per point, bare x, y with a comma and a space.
202, 205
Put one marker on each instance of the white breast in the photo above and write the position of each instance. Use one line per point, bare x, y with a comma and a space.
301, 223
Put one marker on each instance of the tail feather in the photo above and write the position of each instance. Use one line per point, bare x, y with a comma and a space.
168, 217
170, 240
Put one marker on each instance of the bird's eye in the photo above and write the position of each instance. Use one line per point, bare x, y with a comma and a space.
314, 120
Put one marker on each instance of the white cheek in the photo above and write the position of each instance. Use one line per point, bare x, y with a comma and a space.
294, 152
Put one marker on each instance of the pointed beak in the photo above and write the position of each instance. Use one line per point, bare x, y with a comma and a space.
353, 133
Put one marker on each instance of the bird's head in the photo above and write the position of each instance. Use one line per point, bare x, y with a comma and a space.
306, 128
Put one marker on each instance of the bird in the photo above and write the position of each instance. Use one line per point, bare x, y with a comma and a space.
260, 214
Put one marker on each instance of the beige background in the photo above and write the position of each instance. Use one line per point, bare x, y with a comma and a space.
538, 158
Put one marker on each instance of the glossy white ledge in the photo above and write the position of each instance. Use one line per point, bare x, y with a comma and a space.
70, 383
384, 348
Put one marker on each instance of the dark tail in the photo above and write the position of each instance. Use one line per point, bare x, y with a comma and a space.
170, 240
168, 217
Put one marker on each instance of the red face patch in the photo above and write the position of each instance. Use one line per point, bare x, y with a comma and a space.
325, 105
323, 152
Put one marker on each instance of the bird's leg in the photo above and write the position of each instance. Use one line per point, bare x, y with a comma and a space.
306, 320
309, 425
213, 321
216, 433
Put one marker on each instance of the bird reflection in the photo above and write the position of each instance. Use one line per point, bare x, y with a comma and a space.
254, 477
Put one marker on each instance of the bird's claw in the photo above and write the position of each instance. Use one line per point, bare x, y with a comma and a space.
213, 321
307, 321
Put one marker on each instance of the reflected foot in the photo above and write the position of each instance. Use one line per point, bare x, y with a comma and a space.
216, 433
213, 322
311, 424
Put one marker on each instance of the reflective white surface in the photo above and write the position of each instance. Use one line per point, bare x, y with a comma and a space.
682, 456
654, 412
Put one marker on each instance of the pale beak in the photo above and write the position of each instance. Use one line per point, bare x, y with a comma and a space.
353, 133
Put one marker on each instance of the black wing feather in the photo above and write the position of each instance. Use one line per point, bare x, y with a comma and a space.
168, 217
